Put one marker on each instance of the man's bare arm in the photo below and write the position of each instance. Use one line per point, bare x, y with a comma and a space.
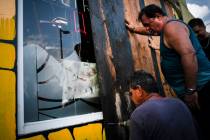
135, 29
177, 37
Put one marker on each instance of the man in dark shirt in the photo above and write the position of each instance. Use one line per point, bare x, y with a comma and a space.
157, 118
203, 36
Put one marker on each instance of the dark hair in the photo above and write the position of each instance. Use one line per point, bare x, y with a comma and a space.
145, 80
196, 22
150, 11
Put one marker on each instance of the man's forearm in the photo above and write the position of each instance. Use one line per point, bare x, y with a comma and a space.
140, 30
190, 68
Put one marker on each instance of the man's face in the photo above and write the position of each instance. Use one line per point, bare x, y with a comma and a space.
132, 94
200, 32
136, 95
152, 24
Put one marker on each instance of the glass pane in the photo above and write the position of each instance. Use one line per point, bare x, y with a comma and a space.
57, 81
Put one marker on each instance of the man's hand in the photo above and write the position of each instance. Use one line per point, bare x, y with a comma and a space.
129, 26
192, 100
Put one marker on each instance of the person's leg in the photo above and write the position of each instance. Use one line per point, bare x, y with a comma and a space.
204, 113
197, 118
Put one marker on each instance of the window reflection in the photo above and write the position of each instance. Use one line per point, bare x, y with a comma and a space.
60, 77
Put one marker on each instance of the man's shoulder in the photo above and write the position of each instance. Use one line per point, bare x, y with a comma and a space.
152, 105
139, 113
145, 108
175, 21
174, 25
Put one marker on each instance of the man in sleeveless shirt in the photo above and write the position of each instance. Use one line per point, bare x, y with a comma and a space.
183, 62
156, 117
203, 36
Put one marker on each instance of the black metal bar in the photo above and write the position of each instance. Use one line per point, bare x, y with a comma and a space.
7, 69
153, 53
50, 116
156, 68
46, 81
163, 6
61, 44
59, 106
142, 4
12, 42
44, 64
49, 100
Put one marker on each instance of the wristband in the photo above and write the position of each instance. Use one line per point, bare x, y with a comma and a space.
190, 91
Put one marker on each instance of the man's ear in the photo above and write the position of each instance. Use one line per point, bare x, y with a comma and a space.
140, 92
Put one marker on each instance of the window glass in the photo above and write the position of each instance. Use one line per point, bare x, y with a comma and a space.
59, 69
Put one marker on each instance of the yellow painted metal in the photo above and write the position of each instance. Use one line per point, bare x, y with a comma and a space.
60, 135
7, 21
88, 132
7, 56
7, 105
39, 137
7, 28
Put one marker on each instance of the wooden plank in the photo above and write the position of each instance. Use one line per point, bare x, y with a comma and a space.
114, 61
118, 53
105, 75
